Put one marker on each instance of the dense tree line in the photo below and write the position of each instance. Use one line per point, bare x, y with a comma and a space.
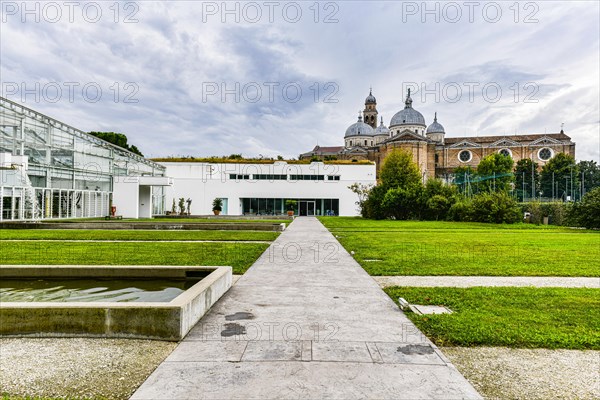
488, 194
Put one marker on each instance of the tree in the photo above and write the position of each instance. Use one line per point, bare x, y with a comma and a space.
362, 191
438, 206
586, 213
402, 202
524, 170
400, 171
496, 207
589, 173
560, 172
494, 173
463, 176
118, 139
436, 200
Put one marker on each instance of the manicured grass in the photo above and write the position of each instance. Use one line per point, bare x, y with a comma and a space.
178, 220
214, 220
361, 224
454, 248
81, 234
238, 255
513, 317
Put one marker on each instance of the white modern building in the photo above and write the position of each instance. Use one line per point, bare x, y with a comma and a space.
263, 188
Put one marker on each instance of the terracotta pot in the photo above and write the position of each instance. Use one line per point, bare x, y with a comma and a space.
217, 212
290, 213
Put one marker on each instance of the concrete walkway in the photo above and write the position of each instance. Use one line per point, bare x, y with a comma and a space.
306, 321
471, 281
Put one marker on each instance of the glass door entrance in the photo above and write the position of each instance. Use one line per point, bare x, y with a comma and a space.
306, 208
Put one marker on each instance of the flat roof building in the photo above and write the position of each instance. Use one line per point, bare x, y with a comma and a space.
262, 188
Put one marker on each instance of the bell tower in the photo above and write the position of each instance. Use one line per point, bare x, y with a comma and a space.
370, 111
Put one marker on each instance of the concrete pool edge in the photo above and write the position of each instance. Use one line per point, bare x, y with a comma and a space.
159, 320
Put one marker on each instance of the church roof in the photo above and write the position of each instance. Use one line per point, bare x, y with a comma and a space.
435, 126
370, 98
517, 138
359, 128
328, 149
408, 116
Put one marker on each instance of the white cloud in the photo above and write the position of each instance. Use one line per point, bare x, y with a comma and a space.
170, 53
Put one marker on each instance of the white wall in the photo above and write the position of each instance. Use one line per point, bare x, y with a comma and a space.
203, 182
126, 192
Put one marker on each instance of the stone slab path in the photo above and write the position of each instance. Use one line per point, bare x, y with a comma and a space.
306, 321
472, 281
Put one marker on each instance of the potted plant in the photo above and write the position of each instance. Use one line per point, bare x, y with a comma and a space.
181, 206
290, 205
217, 206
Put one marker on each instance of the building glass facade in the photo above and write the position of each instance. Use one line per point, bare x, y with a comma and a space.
52, 170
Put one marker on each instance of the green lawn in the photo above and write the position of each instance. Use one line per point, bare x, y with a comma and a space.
512, 317
81, 234
238, 255
455, 248
177, 220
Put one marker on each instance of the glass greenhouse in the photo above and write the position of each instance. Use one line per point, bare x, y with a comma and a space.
49, 169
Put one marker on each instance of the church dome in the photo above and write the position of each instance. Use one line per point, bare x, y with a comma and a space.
382, 129
435, 127
408, 116
359, 128
370, 98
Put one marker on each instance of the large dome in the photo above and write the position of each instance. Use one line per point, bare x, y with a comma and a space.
359, 128
382, 129
408, 116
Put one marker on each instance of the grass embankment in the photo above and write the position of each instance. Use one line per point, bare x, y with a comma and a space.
457, 248
238, 255
156, 235
512, 317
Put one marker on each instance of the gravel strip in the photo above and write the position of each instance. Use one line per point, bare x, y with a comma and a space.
503, 373
471, 281
78, 368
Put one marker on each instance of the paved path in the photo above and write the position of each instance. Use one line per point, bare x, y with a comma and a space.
306, 321
471, 281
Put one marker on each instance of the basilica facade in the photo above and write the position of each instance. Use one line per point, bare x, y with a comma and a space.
434, 153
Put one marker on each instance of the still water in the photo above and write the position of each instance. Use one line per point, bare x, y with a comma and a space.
92, 290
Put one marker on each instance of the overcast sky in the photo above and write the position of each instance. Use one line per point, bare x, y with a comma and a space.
276, 78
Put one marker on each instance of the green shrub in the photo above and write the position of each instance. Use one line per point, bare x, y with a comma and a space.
461, 210
402, 203
535, 209
496, 207
586, 213
558, 212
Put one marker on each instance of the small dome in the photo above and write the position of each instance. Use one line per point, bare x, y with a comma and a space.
382, 129
408, 116
359, 128
435, 127
370, 98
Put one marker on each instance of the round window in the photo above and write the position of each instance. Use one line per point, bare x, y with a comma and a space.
464, 156
506, 152
545, 154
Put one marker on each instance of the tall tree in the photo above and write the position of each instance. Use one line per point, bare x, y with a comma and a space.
527, 177
589, 173
118, 139
494, 172
400, 171
560, 177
